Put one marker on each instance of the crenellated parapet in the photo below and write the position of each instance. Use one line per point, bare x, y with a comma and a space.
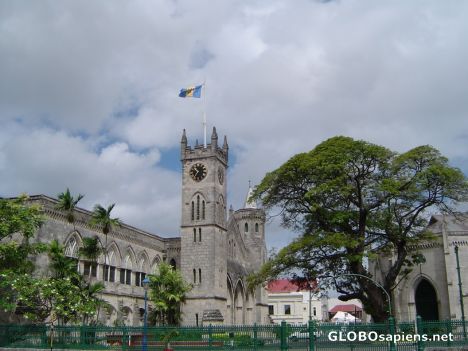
199, 151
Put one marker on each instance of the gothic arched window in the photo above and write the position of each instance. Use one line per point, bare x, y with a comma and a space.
256, 227
71, 249
199, 234
194, 235
194, 276
126, 271
193, 210
199, 275
198, 207
203, 209
246, 227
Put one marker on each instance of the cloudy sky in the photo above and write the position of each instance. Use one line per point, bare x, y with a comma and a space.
89, 90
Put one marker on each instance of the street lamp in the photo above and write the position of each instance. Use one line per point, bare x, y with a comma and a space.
145, 282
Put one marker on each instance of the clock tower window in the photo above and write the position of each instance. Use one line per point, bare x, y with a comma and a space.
193, 211
203, 209
198, 207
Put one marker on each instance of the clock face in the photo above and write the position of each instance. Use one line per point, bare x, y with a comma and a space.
220, 175
198, 172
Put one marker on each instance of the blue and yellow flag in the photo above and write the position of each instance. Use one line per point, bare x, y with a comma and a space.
191, 92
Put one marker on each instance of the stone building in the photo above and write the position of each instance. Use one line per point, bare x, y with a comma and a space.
215, 252
432, 289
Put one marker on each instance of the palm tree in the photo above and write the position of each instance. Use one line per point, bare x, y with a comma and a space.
61, 265
67, 203
168, 291
90, 292
102, 217
90, 251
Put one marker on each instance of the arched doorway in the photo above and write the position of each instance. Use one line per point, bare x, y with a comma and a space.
425, 297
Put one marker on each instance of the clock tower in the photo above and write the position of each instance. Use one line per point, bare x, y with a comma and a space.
203, 230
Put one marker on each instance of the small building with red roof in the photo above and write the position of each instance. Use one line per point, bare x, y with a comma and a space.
294, 301
350, 308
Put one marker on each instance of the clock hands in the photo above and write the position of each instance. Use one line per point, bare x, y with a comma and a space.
198, 172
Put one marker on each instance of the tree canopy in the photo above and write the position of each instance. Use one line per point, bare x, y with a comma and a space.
20, 220
351, 200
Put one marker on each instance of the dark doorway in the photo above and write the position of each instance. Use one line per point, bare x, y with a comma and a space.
173, 263
426, 301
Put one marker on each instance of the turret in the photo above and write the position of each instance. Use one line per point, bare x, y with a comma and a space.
251, 223
183, 145
225, 147
214, 140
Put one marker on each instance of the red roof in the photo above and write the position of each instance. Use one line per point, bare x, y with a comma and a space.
286, 285
346, 308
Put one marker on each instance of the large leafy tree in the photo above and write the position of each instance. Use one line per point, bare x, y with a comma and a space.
19, 221
352, 200
167, 292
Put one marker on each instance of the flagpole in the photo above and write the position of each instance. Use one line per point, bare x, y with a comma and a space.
204, 114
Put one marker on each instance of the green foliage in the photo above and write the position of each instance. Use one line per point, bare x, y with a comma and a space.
91, 249
67, 203
64, 296
17, 217
102, 217
167, 292
18, 223
351, 200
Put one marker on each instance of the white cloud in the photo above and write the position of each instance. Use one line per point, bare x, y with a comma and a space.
281, 77
48, 161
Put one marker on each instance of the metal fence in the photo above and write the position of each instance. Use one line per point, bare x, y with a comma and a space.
405, 336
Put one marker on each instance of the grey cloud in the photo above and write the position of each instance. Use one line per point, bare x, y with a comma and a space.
281, 77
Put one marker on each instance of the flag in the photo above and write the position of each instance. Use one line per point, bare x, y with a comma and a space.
191, 92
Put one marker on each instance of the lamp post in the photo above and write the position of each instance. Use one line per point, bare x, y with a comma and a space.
460, 291
310, 302
145, 325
